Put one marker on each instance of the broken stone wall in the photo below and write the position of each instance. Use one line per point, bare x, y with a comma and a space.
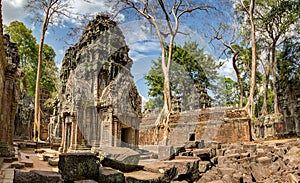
287, 122
2, 62
225, 125
24, 118
10, 94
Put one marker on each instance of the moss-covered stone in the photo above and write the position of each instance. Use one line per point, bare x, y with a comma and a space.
78, 166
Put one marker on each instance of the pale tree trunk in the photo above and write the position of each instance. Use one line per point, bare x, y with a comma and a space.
250, 107
238, 76
274, 65
264, 110
37, 109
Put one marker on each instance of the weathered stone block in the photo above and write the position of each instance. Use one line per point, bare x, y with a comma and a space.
166, 152
120, 158
53, 161
264, 160
37, 176
17, 165
27, 162
78, 166
145, 177
109, 175
205, 154
204, 166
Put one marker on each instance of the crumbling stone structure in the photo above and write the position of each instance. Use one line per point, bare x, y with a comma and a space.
24, 118
287, 122
225, 125
10, 93
2, 61
98, 103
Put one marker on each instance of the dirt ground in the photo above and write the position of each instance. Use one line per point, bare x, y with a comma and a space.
38, 163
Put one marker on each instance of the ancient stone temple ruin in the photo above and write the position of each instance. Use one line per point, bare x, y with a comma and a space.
98, 103
287, 122
226, 125
10, 92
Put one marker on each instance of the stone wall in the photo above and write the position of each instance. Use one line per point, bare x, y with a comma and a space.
224, 125
2, 61
10, 94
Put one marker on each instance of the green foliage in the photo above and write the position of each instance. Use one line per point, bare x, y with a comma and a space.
289, 65
190, 66
228, 94
28, 51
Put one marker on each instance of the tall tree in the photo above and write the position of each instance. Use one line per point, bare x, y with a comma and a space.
172, 13
249, 7
233, 49
52, 12
277, 17
27, 48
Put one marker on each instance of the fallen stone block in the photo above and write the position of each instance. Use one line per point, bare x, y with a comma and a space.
53, 161
27, 162
166, 152
37, 176
204, 166
264, 160
39, 151
17, 165
144, 177
78, 166
227, 171
234, 156
109, 175
260, 152
203, 154
46, 157
258, 172
187, 169
292, 178
120, 158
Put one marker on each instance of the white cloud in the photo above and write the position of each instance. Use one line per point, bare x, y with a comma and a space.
227, 69
13, 10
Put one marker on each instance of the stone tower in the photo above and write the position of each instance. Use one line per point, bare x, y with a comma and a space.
99, 103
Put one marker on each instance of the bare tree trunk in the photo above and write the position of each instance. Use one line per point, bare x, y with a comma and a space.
250, 105
264, 109
274, 66
238, 76
37, 109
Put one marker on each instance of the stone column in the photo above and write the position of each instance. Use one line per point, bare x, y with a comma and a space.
63, 134
115, 133
110, 114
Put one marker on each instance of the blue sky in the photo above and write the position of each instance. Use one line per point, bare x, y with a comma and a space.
144, 47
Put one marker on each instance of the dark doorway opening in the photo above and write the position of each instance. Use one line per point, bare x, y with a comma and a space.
125, 137
192, 137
